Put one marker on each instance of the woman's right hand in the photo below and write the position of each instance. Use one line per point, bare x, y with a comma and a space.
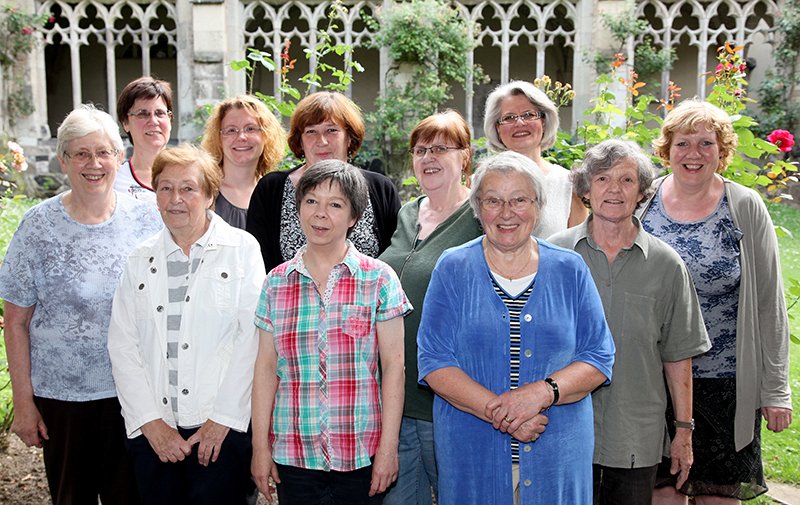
28, 423
167, 443
262, 467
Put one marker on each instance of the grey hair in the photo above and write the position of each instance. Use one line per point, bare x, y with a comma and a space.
538, 99
505, 163
351, 181
603, 157
85, 120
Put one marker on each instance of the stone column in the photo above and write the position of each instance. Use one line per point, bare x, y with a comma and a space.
202, 41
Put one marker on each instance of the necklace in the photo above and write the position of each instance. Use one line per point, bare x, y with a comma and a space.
515, 274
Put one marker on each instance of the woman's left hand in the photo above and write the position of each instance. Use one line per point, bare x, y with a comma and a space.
531, 430
778, 418
384, 470
210, 437
512, 409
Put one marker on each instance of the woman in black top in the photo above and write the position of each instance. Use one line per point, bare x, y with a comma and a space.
325, 125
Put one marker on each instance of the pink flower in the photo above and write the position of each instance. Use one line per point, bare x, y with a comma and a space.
783, 139
14, 147
27, 30
51, 19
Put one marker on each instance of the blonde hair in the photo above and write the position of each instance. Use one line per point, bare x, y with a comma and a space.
686, 118
271, 132
186, 155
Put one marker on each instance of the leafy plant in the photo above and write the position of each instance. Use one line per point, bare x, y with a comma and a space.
338, 79
19, 38
648, 59
778, 109
433, 41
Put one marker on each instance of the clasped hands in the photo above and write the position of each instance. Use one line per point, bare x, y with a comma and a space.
169, 445
520, 412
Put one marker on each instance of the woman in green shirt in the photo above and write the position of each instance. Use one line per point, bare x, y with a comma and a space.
438, 220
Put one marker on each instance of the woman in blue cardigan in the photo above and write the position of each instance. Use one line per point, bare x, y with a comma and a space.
513, 339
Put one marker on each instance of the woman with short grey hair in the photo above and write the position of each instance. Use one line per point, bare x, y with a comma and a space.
654, 316
520, 117
606, 155
58, 279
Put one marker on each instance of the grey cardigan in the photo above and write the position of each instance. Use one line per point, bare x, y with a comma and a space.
762, 326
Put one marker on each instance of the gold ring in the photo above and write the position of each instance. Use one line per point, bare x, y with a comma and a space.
509, 421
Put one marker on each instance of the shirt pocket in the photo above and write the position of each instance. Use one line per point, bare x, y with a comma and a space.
641, 322
357, 320
222, 283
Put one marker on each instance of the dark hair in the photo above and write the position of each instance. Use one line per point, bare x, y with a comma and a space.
349, 178
326, 106
142, 88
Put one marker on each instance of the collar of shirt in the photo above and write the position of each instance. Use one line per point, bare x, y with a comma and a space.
582, 232
170, 247
297, 264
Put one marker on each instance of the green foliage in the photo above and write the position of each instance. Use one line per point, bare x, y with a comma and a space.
605, 119
11, 212
324, 76
19, 38
778, 109
433, 41
648, 59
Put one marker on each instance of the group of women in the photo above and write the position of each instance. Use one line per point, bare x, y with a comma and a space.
351, 350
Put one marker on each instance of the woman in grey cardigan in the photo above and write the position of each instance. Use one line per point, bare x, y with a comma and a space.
723, 232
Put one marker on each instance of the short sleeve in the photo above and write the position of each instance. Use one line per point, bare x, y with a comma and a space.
392, 299
263, 312
17, 283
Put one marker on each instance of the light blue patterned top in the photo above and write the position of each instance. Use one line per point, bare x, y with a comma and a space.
710, 249
70, 271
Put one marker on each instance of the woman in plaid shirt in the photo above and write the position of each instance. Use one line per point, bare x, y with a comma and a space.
326, 417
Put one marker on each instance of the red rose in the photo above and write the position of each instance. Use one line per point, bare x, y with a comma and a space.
783, 139
51, 19
27, 30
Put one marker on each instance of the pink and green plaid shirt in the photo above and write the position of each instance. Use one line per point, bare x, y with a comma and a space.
327, 413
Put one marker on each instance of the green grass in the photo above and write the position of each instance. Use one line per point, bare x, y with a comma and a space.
781, 451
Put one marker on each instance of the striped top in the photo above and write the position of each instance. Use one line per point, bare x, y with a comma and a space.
515, 304
180, 273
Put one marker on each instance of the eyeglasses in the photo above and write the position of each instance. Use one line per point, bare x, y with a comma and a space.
232, 131
419, 152
526, 117
84, 157
144, 115
518, 204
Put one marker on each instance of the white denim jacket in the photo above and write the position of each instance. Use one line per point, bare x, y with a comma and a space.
218, 339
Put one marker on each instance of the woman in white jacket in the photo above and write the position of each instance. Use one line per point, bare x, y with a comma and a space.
183, 342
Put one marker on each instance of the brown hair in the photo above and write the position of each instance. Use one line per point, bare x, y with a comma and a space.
326, 106
186, 155
686, 118
271, 132
144, 87
450, 125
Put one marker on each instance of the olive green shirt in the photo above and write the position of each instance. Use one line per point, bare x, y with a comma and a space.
653, 313
414, 264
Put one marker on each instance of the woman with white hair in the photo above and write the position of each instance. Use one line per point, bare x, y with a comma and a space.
512, 333
520, 117
58, 279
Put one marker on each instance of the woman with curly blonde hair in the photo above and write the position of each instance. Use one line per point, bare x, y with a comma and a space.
724, 234
248, 142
